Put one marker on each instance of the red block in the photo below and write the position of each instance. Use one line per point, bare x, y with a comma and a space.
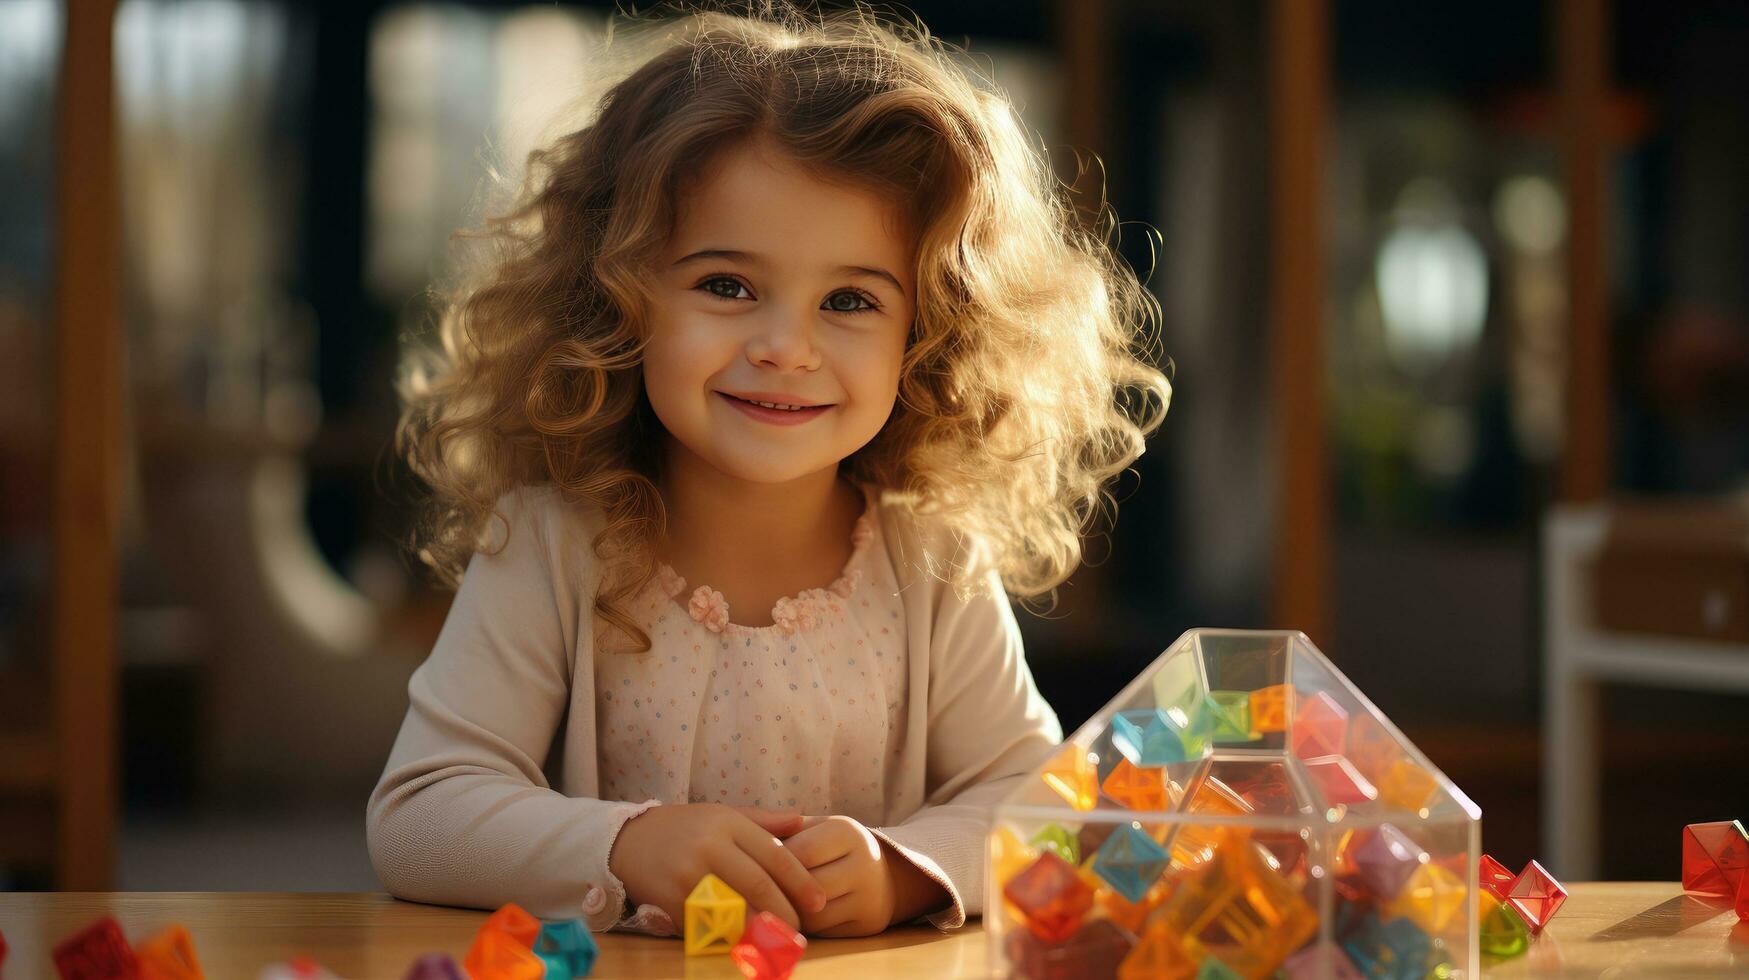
101, 952
1050, 896
1320, 727
1095, 951
1340, 782
1495, 879
1537, 896
1742, 907
769, 949
1714, 856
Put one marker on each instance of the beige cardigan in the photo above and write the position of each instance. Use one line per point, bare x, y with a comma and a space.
465, 813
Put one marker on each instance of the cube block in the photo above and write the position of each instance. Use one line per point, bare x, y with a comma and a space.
1073, 773
769, 949
1051, 898
1494, 879
1055, 838
567, 949
1536, 895
1714, 856
1130, 861
98, 952
499, 955
716, 915
1097, 950
1504, 933
169, 956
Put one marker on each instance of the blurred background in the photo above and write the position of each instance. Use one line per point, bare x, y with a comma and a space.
1456, 296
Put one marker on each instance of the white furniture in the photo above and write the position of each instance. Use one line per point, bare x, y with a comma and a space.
1579, 657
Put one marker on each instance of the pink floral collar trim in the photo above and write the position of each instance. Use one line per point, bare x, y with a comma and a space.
805, 610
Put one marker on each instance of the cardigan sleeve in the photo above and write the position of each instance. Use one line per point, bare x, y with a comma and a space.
463, 814
988, 727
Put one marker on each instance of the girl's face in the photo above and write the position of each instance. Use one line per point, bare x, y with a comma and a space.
777, 287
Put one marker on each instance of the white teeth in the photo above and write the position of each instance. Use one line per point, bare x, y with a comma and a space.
781, 408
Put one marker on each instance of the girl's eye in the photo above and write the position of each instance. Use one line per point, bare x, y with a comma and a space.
850, 301
724, 287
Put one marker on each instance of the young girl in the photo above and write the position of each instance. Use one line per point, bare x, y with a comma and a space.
783, 368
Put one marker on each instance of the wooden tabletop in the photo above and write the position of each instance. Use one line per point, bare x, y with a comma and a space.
1635, 929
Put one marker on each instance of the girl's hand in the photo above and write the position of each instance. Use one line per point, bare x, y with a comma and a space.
661, 854
868, 887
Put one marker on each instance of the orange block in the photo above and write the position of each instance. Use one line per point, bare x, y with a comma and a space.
1239, 909
1158, 956
1270, 707
511, 919
1073, 774
497, 955
1142, 787
169, 956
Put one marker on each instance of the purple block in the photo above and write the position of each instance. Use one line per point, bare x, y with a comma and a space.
1386, 859
435, 966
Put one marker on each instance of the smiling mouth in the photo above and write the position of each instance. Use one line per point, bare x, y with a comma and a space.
775, 406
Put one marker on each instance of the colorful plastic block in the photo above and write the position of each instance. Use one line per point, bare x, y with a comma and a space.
1160, 736
769, 949
1237, 908
1263, 785
513, 921
1431, 897
1230, 717
1097, 950
1130, 861
1213, 969
1371, 747
1714, 856
1008, 853
1494, 879
99, 952
1055, 838
1159, 955
1318, 961
1141, 788
499, 955
435, 966
1269, 708
1406, 784
1050, 897
1340, 783
1074, 773
1394, 950
1109, 903
1536, 895
1742, 902
1384, 858
715, 917
1503, 931
1194, 844
169, 956
567, 949
1092, 836
1320, 726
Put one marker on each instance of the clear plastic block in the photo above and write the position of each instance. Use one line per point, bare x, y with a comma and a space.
1239, 801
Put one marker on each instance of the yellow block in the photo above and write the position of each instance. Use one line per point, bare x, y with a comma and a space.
715, 917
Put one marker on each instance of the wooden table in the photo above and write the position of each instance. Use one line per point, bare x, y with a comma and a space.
1640, 929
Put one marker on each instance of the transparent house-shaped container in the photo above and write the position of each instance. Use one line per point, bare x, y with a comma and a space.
1239, 809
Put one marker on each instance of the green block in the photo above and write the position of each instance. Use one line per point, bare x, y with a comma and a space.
1058, 841
1229, 714
1504, 933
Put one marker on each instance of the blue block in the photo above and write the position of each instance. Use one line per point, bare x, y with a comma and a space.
1395, 950
1151, 737
567, 949
1130, 862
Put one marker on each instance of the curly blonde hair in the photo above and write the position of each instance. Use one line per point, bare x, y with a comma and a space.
1027, 383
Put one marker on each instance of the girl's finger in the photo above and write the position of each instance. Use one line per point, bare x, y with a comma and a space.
838, 918
839, 878
740, 872
783, 867
775, 822
819, 844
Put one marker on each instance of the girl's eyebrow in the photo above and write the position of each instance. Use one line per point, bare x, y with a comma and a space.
755, 259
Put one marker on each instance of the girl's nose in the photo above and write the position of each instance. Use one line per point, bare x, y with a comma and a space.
785, 341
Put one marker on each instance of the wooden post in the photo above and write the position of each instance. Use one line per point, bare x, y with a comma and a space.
1299, 48
1581, 43
87, 449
